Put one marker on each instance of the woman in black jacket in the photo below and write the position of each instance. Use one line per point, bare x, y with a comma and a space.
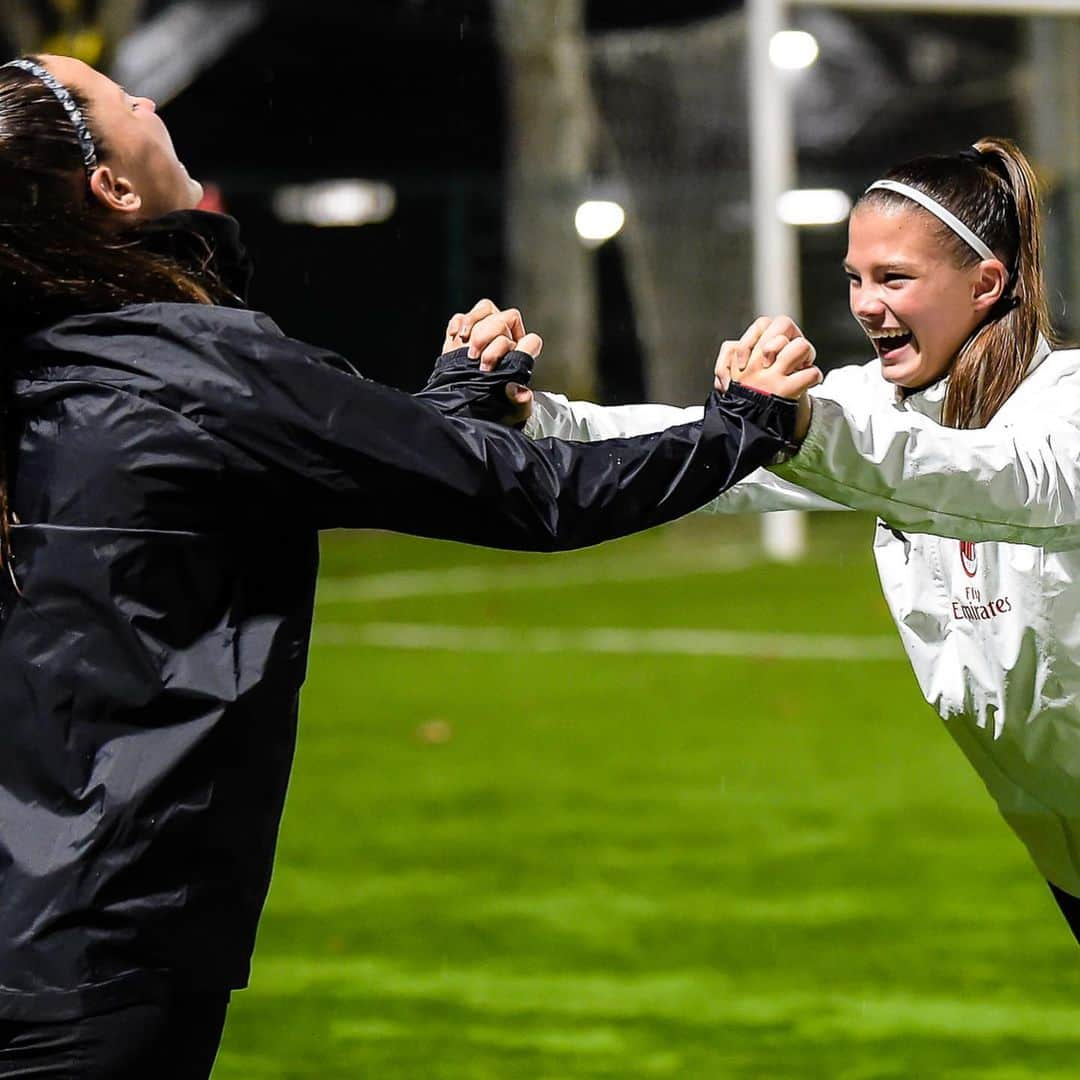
168, 459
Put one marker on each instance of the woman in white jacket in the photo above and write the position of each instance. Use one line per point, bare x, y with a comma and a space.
963, 436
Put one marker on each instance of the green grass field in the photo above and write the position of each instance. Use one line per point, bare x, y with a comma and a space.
603, 852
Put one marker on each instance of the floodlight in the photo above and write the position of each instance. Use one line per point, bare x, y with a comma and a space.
792, 49
335, 203
598, 220
813, 206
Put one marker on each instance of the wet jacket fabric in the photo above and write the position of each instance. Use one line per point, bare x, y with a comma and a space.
171, 467
978, 551
457, 386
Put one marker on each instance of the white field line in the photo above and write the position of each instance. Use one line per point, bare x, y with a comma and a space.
459, 580
778, 646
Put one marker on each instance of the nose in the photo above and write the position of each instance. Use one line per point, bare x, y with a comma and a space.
148, 103
866, 303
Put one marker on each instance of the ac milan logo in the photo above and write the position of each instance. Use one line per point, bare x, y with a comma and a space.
968, 559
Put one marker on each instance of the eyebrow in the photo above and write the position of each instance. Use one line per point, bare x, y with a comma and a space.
889, 267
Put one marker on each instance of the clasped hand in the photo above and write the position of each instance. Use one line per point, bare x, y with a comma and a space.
490, 333
772, 356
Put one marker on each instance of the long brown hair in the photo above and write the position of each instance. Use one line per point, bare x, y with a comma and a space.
59, 253
992, 189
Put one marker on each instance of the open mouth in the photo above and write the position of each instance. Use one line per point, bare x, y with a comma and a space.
889, 343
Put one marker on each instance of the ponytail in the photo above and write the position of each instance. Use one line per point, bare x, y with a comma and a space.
995, 359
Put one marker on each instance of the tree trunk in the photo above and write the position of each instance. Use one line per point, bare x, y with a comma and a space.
1053, 99
549, 144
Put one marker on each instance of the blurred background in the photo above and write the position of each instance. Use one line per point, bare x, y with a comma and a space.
665, 808
460, 138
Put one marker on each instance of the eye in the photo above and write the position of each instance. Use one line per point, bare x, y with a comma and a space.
892, 279
852, 277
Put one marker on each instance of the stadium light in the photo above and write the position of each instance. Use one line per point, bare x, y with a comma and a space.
792, 50
813, 206
335, 203
598, 220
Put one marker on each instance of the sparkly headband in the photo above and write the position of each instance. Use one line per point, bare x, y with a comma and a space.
63, 95
939, 212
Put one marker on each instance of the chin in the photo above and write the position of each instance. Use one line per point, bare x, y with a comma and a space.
899, 375
909, 373
908, 379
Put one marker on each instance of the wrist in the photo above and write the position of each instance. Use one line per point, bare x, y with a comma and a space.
802, 417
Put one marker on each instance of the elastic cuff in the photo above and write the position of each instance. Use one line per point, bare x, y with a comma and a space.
744, 390
778, 415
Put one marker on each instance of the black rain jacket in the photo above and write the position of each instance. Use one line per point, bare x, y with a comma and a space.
171, 467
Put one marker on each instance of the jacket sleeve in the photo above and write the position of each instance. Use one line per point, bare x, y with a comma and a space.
457, 386
302, 434
759, 492
1016, 480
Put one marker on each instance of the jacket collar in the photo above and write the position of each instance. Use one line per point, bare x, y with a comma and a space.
197, 238
1042, 351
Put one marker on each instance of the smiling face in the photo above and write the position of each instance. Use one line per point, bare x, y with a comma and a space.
140, 176
908, 293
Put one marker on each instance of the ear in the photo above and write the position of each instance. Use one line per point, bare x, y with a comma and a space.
114, 192
989, 284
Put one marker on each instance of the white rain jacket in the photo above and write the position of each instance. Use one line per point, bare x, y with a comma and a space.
978, 550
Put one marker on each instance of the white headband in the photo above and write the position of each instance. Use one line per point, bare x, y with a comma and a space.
939, 212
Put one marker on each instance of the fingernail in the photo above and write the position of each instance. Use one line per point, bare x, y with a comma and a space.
473, 352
